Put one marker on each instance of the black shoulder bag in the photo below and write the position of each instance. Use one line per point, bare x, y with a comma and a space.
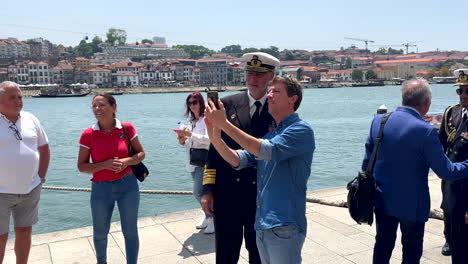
198, 156
361, 190
139, 170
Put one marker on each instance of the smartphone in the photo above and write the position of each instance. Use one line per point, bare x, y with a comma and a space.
213, 96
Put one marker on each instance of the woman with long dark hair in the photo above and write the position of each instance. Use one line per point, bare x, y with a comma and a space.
104, 154
195, 136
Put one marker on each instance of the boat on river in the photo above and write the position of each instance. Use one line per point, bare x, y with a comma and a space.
52, 92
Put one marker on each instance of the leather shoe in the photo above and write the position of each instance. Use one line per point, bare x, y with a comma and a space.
446, 250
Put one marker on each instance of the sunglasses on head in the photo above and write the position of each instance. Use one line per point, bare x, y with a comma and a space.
15, 130
460, 91
195, 102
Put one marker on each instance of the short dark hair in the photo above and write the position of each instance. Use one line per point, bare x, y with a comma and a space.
109, 98
293, 87
197, 96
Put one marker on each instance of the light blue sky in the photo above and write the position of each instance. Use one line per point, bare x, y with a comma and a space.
300, 24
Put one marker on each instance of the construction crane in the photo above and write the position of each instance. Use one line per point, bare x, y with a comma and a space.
410, 44
363, 40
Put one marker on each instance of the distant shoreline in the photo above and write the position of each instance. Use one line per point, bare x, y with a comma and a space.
148, 90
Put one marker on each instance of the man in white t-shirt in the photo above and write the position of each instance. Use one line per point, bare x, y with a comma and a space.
24, 160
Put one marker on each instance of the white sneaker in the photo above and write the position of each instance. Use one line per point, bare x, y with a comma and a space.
203, 223
210, 229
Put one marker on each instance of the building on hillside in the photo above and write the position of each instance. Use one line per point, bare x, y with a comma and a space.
213, 72
100, 77
147, 76
39, 48
143, 51
11, 48
337, 75
39, 73
404, 68
82, 77
80, 63
359, 62
3, 74
312, 73
127, 79
293, 72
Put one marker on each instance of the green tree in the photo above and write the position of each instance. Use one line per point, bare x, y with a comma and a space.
272, 50
394, 51
116, 36
95, 44
232, 49
357, 75
445, 64
248, 50
84, 49
149, 41
289, 56
195, 51
370, 75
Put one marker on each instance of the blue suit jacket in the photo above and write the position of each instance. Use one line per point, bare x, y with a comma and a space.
409, 147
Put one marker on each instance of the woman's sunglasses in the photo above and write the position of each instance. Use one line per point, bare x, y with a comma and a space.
192, 102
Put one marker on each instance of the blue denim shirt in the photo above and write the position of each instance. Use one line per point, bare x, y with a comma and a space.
283, 170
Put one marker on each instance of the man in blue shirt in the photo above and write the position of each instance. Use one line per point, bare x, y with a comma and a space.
409, 147
283, 158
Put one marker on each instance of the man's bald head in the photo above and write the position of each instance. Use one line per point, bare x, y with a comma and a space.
415, 92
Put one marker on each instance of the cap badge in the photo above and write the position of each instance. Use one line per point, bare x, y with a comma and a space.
233, 116
255, 61
462, 77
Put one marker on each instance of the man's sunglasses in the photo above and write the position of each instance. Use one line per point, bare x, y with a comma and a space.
460, 91
192, 102
14, 128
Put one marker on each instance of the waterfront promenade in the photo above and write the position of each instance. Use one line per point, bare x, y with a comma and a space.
333, 237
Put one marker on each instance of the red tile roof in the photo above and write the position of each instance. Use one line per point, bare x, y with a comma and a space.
427, 60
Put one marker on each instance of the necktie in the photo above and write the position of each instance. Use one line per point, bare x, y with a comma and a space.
255, 123
256, 115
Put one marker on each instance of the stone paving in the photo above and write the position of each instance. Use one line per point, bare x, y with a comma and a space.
333, 237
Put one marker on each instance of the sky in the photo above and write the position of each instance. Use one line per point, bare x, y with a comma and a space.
299, 24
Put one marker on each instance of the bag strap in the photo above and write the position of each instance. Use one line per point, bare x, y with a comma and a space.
370, 165
129, 144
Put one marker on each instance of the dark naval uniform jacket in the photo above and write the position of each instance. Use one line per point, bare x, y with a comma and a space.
455, 196
235, 191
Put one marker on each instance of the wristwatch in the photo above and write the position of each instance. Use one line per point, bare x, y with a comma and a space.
42, 179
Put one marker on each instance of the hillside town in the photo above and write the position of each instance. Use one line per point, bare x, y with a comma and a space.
152, 63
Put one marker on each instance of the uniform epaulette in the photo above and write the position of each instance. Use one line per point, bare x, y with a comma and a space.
449, 132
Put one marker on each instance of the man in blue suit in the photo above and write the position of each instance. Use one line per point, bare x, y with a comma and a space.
409, 147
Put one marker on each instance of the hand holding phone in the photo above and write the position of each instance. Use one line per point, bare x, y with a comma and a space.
213, 96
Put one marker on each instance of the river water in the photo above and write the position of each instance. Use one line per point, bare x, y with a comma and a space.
340, 118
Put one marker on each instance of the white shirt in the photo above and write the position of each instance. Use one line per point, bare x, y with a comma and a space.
19, 159
199, 139
252, 105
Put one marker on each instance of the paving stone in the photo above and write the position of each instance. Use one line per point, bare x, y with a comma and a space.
315, 253
333, 224
38, 254
154, 240
335, 241
75, 251
176, 257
